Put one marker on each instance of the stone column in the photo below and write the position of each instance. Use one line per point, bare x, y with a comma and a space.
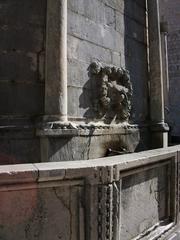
164, 33
56, 61
158, 127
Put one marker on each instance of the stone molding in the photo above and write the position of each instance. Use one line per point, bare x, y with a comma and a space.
159, 127
77, 129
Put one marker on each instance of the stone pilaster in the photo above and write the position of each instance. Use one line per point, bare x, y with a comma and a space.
56, 61
164, 33
159, 128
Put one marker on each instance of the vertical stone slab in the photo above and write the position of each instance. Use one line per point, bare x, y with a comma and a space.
155, 58
56, 61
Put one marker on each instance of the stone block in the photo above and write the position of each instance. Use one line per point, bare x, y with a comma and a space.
22, 39
141, 3
19, 150
81, 102
135, 30
135, 11
76, 6
94, 10
116, 4
85, 29
26, 99
91, 9
11, 174
120, 22
110, 17
77, 72
135, 50
19, 66
139, 191
86, 51
116, 59
30, 12
49, 172
46, 213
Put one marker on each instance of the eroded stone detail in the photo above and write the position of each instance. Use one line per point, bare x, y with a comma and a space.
113, 102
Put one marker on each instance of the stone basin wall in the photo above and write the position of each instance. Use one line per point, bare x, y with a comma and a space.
134, 196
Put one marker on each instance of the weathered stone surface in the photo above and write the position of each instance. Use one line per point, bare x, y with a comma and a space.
87, 52
144, 201
40, 212
91, 9
120, 196
70, 148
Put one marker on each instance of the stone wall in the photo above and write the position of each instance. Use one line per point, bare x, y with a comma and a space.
21, 57
170, 13
112, 32
22, 45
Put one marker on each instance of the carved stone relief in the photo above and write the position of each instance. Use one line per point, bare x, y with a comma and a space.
114, 91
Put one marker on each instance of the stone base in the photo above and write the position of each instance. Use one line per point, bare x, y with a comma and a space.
67, 142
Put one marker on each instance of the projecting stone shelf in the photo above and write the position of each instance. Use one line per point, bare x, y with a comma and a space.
72, 129
80, 141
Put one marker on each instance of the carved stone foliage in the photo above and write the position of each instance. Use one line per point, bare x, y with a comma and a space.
114, 91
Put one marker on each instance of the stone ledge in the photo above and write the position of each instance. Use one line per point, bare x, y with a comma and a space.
92, 129
41, 172
20, 173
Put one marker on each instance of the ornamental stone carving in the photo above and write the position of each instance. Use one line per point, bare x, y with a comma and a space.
113, 102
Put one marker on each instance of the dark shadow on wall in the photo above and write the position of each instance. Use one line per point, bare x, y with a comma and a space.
89, 94
136, 62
